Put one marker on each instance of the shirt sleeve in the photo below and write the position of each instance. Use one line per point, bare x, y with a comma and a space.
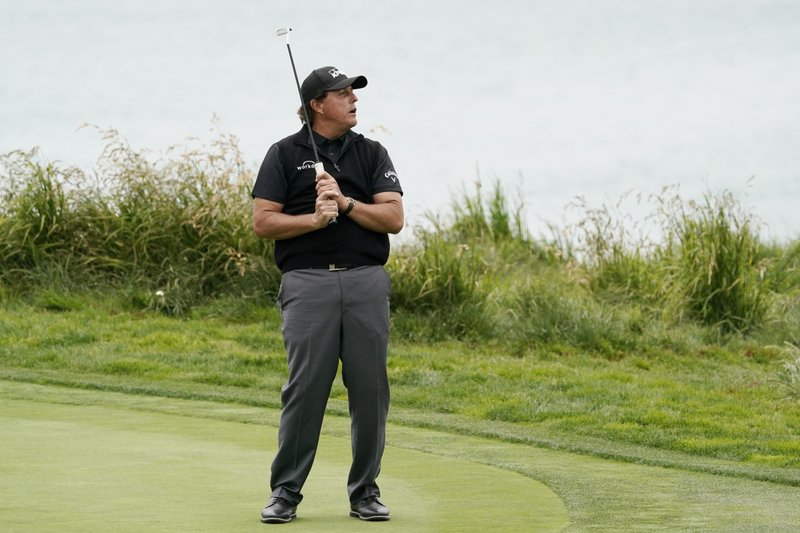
271, 181
385, 178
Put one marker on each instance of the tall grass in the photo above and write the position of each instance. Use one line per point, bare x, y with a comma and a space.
718, 278
34, 213
174, 230
477, 274
617, 253
438, 289
446, 280
179, 225
708, 267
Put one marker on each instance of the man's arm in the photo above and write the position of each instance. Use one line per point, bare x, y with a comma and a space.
384, 215
270, 222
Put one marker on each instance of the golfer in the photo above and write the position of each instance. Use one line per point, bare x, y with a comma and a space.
331, 242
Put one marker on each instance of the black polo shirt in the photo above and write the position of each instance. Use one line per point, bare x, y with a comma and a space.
362, 168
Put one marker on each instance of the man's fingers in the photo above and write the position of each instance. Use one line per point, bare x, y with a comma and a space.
329, 195
325, 183
326, 209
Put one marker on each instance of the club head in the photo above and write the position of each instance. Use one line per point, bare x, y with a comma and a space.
283, 31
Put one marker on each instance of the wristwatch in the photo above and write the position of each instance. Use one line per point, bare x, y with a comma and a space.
350, 204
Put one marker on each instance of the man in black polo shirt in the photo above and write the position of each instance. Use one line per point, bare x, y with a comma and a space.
334, 295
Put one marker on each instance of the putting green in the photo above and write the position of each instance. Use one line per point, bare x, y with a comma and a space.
73, 467
86, 460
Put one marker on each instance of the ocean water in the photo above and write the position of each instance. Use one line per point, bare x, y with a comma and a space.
554, 99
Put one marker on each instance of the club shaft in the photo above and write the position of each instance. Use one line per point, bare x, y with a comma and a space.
318, 167
303, 104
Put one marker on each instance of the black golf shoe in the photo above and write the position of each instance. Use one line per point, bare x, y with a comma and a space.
369, 508
278, 511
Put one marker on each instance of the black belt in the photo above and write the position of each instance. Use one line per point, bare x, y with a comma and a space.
334, 267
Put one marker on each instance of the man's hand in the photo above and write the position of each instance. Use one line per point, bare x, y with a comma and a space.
326, 209
327, 184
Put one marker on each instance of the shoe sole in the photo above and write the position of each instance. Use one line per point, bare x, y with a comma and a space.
376, 518
277, 520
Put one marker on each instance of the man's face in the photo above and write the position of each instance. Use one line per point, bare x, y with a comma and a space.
339, 108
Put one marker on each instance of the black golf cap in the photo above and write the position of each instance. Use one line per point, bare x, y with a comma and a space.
328, 79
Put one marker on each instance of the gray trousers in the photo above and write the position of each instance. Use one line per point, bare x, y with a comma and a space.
327, 317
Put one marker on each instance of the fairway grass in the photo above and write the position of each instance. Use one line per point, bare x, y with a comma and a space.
77, 460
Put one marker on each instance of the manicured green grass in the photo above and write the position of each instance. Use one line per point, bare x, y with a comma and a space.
100, 468
141, 463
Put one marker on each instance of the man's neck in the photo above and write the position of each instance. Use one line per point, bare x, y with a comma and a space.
329, 132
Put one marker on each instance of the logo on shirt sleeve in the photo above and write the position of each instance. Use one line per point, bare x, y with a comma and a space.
392, 175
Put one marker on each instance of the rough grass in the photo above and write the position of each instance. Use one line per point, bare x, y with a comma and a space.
703, 400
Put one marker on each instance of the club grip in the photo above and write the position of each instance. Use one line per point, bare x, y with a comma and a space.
319, 168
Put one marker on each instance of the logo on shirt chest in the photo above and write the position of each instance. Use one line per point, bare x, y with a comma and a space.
306, 165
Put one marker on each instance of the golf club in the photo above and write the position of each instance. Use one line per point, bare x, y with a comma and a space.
318, 166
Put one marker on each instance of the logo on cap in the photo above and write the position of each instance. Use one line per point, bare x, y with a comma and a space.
334, 72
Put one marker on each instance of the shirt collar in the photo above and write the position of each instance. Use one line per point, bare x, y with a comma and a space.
321, 141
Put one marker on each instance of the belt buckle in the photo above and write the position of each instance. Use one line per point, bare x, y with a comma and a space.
333, 268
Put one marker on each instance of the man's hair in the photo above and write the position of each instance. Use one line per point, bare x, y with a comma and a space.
302, 115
